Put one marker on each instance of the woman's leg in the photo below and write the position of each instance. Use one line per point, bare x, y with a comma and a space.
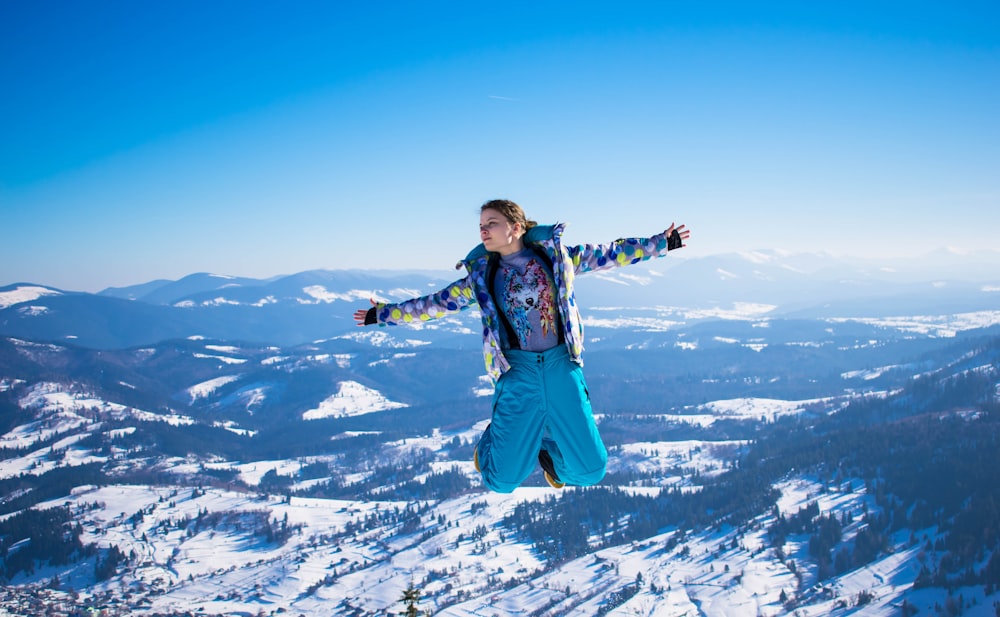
573, 441
508, 450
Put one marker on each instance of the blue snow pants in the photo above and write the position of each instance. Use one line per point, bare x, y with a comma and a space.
542, 402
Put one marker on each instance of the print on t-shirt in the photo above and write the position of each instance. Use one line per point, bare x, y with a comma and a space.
528, 293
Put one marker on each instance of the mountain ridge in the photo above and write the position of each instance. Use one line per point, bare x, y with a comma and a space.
318, 304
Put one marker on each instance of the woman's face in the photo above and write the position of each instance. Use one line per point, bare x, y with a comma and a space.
498, 233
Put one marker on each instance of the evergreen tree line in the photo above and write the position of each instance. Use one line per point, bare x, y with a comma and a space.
49, 536
26, 490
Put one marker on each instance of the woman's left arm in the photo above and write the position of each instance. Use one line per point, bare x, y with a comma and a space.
627, 251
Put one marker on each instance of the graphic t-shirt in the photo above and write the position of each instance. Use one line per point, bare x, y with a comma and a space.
526, 293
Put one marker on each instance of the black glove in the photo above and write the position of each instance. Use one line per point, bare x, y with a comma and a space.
674, 241
370, 317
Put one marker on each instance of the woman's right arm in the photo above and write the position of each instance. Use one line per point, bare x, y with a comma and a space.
453, 298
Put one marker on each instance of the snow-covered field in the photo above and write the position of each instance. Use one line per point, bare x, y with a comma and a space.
202, 551
933, 325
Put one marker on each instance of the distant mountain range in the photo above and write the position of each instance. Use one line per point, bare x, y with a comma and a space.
318, 304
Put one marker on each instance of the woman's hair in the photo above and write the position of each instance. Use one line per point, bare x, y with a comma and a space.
513, 212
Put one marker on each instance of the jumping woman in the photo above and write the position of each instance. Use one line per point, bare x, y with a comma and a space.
521, 276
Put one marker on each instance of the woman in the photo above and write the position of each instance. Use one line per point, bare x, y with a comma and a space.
521, 276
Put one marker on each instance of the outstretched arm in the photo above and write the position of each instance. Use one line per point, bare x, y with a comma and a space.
625, 251
453, 298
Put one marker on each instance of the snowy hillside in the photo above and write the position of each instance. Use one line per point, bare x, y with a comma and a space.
762, 461
350, 530
21, 294
208, 551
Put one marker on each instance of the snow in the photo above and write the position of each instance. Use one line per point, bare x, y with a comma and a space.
667, 457
466, 565
207, 388
232, 427
378, 338
223, 359
641, 324
322, 294
625, 278
945, 326
741, 311
389, 361
666, 318
31, 345
868, 374
484, 386
32, 310
333, 558
59, 411
223, 348
24, 293
351, 399
7, 384
220, 301
251, 473
253, 396
757, 408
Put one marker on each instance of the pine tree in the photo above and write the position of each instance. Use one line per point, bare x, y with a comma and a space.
411, 596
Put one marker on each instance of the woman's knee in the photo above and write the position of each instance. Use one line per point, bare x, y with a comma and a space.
591, 478
498, 485
504, 468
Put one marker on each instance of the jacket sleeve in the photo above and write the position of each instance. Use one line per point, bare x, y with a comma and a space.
453, 298
622, 252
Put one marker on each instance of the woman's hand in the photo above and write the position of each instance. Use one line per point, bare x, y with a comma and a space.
676, 236
361, 315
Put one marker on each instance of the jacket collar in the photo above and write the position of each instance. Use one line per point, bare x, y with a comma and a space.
535, 235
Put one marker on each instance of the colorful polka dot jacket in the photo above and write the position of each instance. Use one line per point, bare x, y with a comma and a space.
567, 262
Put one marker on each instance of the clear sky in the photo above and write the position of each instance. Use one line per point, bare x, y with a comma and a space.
145, 140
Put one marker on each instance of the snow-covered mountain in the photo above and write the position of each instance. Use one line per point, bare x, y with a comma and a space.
199, 497
313, 305
793, 452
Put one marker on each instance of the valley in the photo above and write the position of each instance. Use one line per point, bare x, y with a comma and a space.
764, 459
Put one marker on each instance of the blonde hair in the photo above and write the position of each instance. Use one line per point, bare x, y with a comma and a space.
511, 211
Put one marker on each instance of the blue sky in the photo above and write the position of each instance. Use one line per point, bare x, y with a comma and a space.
145, 140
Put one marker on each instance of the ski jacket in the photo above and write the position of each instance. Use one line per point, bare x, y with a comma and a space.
566, 261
